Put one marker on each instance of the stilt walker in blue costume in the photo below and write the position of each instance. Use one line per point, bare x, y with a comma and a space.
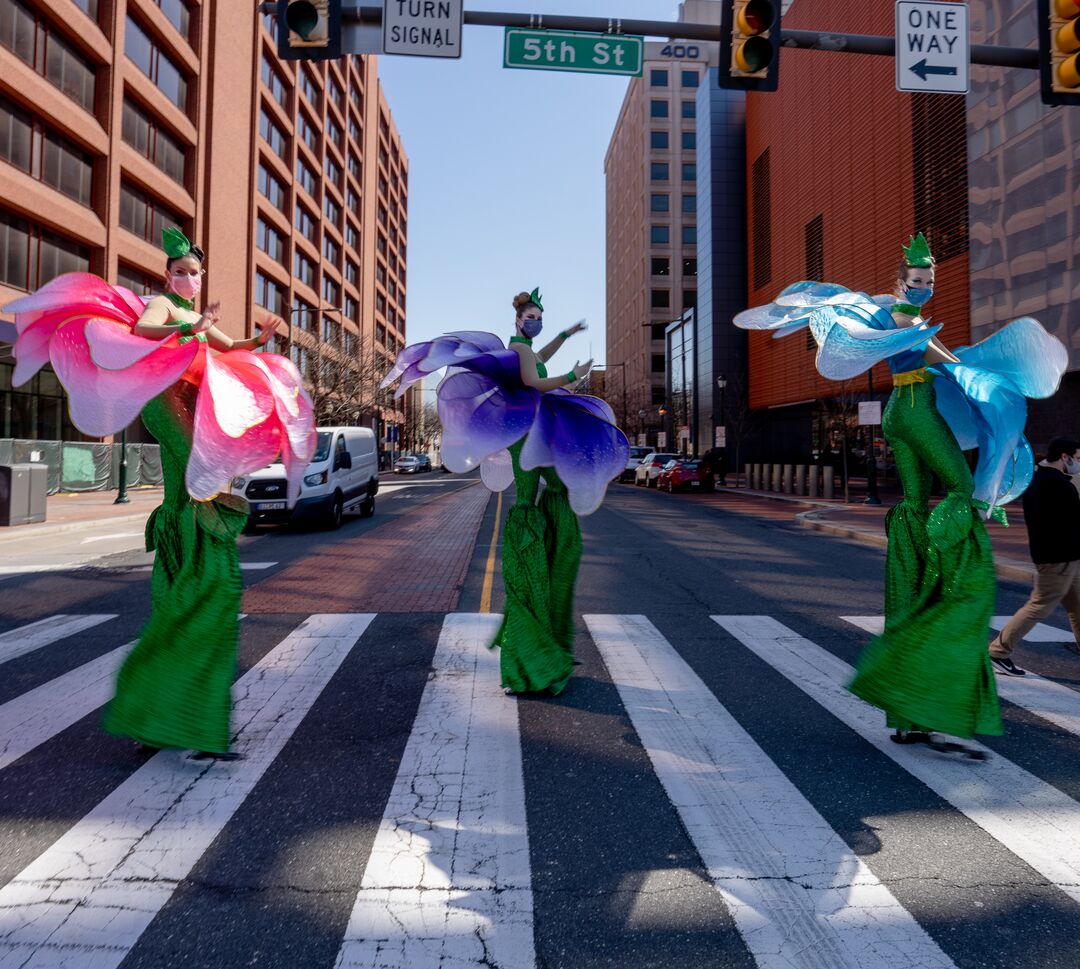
502, 412
930, 670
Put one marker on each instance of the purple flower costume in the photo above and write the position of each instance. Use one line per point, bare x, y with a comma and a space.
512, 432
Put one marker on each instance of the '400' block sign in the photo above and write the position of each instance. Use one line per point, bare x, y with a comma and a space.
564, 50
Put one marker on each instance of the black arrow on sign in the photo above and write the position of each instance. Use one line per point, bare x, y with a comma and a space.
922, 69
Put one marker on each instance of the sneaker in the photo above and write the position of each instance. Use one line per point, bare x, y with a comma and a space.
1006, 666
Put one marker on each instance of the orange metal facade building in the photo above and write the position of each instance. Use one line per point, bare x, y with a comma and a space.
841, 169
120, 116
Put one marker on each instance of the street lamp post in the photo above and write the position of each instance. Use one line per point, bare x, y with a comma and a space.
121, 489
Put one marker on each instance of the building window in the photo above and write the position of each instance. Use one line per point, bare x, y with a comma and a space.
333, 132
689, 109
350, 337
660, 235
689, 140
302, 359
332, 210
273, 136
308, 86
659, 203
334, 90
660, 299
352, 236
351, 310
658, 78
355, 168
136, 280
304, 269
272, 188
145, 54
144, 216
658, 140
331, 291
380, 273
689, 299
352, 200
380, 243
689, 235
355, 132
273, 81
689, 203
661, 266
658, 367
333, 171
269, 240
658, 109
689, 172
305, 223
690, 78
352, 272
306, 177
689, 267
147, 138
31, 37
44, 155
761, 219
88, 7
306, 131
331, 331
380, 304
305, 315
178, 13
380, 333
31, 256
660, 171
331, 250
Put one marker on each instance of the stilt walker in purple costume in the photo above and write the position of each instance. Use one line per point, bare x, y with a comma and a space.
930, 670
502, 412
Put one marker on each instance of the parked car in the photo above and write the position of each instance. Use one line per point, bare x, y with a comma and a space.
682, 474
412, 464
632, 462
645, 474
343, 475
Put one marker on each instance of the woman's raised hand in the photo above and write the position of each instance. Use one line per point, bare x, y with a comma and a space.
267, 328
579, 327
581, 369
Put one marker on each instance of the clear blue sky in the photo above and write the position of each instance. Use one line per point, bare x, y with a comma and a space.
506, 181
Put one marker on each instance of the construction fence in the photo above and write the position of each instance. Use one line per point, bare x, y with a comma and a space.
79, 466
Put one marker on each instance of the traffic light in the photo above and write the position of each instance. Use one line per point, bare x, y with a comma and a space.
1059, 51
750, 44
309, 29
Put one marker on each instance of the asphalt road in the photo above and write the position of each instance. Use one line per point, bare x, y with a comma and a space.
703, 794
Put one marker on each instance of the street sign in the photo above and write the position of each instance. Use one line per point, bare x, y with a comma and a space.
563, 50
932, 47
869, 411
422, 28
720, 437
661, 439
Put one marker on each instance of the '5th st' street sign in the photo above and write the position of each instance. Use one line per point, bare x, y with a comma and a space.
562, 50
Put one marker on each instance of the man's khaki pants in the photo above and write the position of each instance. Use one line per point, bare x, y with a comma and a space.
1055, 583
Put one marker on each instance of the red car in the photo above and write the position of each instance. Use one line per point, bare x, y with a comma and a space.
686, 474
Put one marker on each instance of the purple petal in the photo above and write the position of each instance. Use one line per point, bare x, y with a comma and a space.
481, 415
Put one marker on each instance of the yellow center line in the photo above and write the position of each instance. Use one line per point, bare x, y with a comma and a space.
489, 570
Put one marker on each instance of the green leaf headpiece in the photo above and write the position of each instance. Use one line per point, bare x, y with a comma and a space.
534, 297
174, 242
917, 253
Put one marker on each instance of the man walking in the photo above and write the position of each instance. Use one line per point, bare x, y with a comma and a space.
1052, 515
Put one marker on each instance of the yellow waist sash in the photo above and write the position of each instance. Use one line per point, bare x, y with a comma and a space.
909, 378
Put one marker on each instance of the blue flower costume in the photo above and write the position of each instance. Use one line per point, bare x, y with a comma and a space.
930, 669
515, 433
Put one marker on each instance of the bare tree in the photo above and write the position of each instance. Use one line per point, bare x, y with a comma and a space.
344, 388
840, 417
739, 419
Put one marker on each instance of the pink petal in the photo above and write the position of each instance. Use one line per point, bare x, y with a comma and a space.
114, 347
240, 393
106, 401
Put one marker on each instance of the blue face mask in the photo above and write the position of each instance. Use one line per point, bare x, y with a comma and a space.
918, 295
531, 328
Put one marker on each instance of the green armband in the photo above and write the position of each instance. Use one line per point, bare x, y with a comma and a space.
185, 328
565, 335
571, 377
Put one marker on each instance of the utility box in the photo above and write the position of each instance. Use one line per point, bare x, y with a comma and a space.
23, 490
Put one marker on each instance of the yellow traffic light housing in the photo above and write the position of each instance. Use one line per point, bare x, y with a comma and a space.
750, 44
1059, 50
309, 29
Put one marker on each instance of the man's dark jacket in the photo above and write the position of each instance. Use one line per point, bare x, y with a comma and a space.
1052, 515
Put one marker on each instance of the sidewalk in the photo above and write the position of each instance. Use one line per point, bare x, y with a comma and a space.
75, 512
866, 523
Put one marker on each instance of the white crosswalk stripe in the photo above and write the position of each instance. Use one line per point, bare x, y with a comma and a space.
1049, 700
89, 897
1041, 633
797, 892
1035, 821
45, 632
448, 880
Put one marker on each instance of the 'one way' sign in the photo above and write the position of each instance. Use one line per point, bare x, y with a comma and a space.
932, 47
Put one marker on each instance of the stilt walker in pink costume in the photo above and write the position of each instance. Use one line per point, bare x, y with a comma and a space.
216, 416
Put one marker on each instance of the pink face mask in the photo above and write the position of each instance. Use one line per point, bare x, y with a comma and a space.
186, 287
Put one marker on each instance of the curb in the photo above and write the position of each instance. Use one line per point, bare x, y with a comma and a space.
29, 531
1005, 568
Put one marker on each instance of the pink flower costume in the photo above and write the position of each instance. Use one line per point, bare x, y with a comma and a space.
216, 416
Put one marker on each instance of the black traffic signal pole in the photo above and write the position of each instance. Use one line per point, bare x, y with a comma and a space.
989, 54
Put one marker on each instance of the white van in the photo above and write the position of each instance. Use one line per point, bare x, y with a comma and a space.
343, 475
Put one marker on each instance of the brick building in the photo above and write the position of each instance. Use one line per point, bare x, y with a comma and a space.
118, 117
